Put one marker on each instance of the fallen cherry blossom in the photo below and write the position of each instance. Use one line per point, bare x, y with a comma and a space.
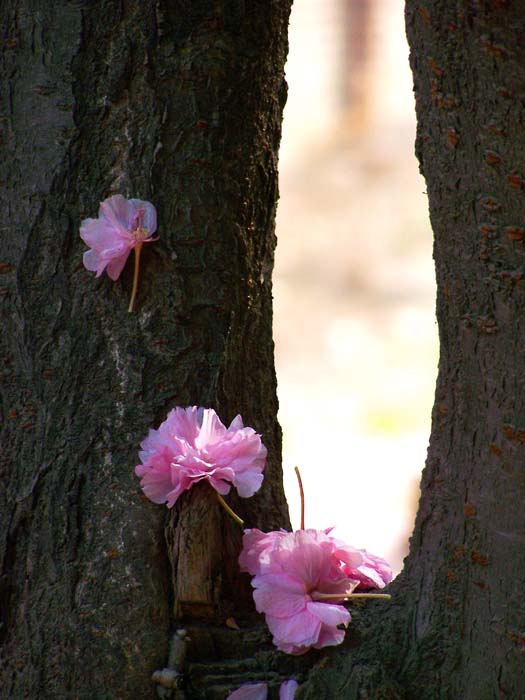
300, 579
193, 445
122, 225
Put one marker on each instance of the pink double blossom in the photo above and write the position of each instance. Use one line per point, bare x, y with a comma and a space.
298, 577
294, 572
193, 445
259, 691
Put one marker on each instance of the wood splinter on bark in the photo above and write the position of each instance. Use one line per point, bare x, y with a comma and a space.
170, 678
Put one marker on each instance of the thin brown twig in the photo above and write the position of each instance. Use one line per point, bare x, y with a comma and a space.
301, 491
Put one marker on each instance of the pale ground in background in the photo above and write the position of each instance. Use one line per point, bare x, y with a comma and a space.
355, 333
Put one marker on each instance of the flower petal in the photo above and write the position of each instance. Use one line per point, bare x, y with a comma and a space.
97, 234
182, 424
257, 545
374, 572
250, 691
116, 265
236, 423
211, 430
329, 637
298, 632
329, 614
219, 485
119, 212
279, 595
93, 262
301, 556
248, 483
158, 484
149, 220
288, 689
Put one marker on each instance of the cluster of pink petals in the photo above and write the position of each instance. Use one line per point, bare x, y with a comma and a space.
122, 224
294, 571
291, 571
193, 445
259, 691
374, 572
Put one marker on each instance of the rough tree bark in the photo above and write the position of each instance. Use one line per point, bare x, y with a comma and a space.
178, 102
456, 628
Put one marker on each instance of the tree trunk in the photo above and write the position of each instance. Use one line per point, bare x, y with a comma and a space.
179, 103
456, 627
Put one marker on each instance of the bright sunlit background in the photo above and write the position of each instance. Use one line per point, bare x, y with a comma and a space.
356, 339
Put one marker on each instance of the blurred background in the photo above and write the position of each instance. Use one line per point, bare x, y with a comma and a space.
355, 332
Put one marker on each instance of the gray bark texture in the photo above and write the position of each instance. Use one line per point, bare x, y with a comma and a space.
178, 102
456, 627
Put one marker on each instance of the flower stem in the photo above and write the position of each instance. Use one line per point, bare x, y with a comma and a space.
349, 596
138, 249
301, 491
230, 512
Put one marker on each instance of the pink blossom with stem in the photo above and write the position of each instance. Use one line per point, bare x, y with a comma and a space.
296, 575
122, 225
193, 445
300, 579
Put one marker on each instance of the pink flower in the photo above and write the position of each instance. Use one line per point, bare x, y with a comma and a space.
193, 445
122, 224
295, 571
259, 691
